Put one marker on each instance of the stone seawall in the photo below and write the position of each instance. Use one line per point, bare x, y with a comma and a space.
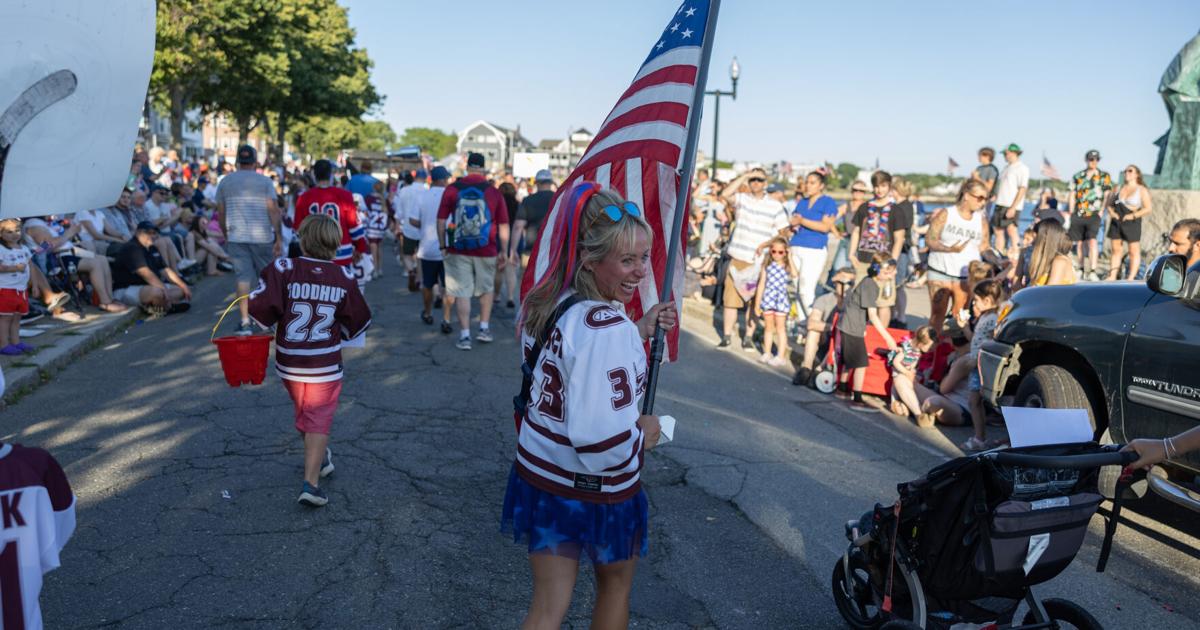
1169, 207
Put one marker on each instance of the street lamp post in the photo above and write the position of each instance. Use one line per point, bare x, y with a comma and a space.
734, 72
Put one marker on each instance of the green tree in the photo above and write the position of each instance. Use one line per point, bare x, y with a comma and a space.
846, 174
324, 137
432, 141
375, 135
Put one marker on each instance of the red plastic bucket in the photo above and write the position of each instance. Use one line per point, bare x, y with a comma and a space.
244, 359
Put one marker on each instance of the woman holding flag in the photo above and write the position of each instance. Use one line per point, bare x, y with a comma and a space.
574, 488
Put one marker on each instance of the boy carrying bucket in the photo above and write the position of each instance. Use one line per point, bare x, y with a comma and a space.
315, 306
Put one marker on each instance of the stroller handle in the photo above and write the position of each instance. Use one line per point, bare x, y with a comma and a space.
1093, 460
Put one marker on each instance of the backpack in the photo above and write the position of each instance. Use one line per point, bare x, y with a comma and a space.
471, 219
522, 399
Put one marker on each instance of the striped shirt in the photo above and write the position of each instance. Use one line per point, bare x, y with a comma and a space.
580, 438
758, 221
245, 195
314, 305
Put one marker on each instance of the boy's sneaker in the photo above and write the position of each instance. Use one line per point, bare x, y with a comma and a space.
312, 496
464, 343
446, 329
327, 463
244, 330
225, 266
485, 335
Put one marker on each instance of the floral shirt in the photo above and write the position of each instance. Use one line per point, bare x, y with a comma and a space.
1090, 191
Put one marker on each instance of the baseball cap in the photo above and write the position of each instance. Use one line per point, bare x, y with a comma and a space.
476, 160
247, 155
774, 188
202, 180
543, 176
1014, 147
1047, 214
421, 174
1092, 155
439, 173
146, 226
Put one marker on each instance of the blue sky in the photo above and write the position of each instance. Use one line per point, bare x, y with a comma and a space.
906, 82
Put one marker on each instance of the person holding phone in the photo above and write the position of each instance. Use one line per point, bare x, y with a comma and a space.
955, 237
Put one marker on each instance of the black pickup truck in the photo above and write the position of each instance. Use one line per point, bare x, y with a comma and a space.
1128, 352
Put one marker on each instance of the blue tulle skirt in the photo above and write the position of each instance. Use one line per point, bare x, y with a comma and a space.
570, 528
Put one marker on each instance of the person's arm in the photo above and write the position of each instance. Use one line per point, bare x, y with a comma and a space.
514, 241
1151, 452
873, 317
933, 237
825, 225
899, 367
854, 234
1147, 204
1071, 197
899, 240
758, 291
178, 281
221, 218
733, 188
502, 231
1060, 271
1018, 203
276, 215
96, 236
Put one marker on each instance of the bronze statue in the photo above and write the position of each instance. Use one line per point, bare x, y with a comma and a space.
1178, 164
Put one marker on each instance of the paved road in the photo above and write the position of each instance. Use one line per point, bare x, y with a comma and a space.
747, 505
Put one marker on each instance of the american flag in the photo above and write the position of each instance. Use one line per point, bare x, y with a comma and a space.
1048, 170
638, 152
950, 165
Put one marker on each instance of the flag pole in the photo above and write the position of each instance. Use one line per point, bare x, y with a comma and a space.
681, 202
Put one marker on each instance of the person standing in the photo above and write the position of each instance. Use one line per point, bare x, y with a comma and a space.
429, 253
528, 224
472, 230
506, 276
955, 238
812, 220
1010, 199
879, 229
339, 203
758, 218
575, 488
407, 208
362, 182
1125, 211
1089, 190
987, 172
251, 222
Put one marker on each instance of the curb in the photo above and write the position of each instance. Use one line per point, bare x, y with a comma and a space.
83, 338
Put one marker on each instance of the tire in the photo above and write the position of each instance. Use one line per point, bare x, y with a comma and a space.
1053, 387
858, 608
1068, 612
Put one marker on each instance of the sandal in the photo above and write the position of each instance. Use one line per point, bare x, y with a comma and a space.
58, 302
113, 307
974, 445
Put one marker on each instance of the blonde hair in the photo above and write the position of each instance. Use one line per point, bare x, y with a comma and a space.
320, 236
1050, 242
598, 236
903, 187
787, 255
4, 222
925, 334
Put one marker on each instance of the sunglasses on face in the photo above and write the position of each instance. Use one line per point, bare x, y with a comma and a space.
778, 251
756, 180
977, 197
858, 191
616, 213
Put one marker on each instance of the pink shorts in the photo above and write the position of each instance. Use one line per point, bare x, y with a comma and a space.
315, 404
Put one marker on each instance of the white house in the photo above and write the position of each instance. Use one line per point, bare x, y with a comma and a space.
565, 153
496, 143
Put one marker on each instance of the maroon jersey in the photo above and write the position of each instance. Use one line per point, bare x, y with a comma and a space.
37, 517
339, 204
314, 306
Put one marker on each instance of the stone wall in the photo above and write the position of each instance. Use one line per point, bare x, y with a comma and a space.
1169, 207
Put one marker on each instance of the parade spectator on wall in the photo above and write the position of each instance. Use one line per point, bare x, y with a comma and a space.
987, 172
757, 219
1126, 208
1089, 190
819, 324
879, 230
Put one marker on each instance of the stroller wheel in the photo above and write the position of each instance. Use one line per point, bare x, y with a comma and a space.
826, 381
1068, 614
856, 601
900, 624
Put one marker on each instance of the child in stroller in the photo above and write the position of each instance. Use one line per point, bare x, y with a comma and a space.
967, 542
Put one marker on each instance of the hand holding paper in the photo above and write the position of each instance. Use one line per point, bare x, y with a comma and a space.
667, 427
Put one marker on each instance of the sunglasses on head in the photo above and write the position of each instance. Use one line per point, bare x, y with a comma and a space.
616, 213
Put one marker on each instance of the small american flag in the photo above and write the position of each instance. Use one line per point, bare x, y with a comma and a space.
638, 152
1048, 170
950, 165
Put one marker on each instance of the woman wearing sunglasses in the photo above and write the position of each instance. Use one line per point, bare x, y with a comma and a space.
954, 239
1125, 211
574, 488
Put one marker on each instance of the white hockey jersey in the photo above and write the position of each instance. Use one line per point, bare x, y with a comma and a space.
37, 516
580, 438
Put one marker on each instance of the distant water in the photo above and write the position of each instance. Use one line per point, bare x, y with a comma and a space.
1023, 222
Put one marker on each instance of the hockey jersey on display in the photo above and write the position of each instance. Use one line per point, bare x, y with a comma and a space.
37, 517
315, 306
339, 204
580, 438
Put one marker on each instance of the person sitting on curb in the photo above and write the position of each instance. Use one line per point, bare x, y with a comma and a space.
820, 322
862, 309
138, 276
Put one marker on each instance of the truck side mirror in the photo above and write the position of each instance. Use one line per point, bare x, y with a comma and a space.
1167, 274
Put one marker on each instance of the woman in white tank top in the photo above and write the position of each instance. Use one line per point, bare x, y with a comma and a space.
954, 238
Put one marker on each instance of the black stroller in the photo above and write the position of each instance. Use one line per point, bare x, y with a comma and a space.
965, 543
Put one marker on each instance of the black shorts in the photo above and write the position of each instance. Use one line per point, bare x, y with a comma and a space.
998, 219
854, 352
1084, 228
1129, 231
409, 248
432, 272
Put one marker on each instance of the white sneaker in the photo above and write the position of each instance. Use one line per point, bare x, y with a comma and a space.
464, 343
184, 263
780, 361
485, 335
765, 358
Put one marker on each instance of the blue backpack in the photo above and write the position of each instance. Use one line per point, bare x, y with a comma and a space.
472, 218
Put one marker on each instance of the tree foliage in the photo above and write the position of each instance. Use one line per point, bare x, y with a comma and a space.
261, 61
846, 174
325, 136
435, 142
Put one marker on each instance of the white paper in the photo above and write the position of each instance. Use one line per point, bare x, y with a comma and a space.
74, 154
1032, 427
667, 426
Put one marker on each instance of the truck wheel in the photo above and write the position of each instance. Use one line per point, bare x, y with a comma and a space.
1053, 387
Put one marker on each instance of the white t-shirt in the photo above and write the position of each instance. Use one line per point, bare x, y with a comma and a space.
92, 217
156, 212
758, 221
1014, 177
407, 207
427, 211
19, 255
